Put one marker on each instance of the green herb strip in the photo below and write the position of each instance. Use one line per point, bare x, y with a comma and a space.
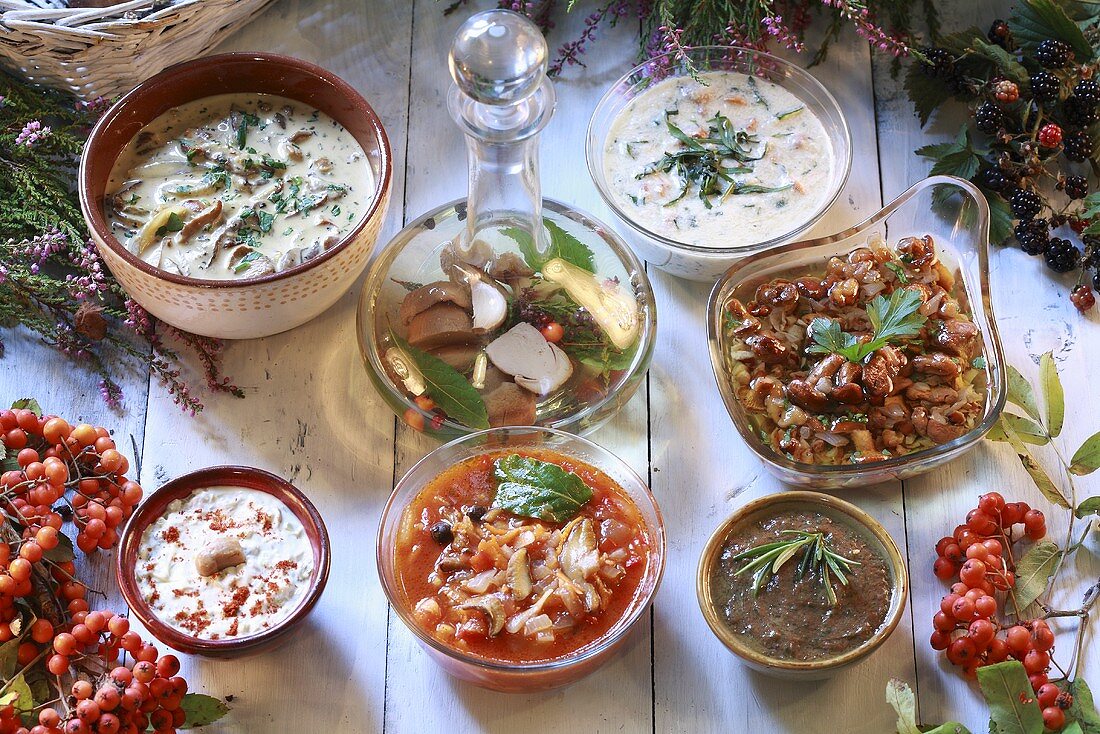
452, 392
538, 489
893, 320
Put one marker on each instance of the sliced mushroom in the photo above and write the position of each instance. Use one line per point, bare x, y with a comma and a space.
440, 325
289, 259
429, 295
479, 254
577, 553
459, 356
218, 555
519, 577
509, 404
148, 233
509, 268
209, 215
492, 607
612, 306
406, 370
536, 364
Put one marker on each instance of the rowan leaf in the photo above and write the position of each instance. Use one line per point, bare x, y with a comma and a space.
1053, 395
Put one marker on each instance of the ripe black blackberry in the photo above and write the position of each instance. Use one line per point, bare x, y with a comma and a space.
1079, 112
1096, 281
993, 179
988, 118
1044, 87
1025, 204
1077, 146
1052, 54
941, 62
1061, 255
1077, 187
1000, 34
1088, 90
1033, 236
1092, 251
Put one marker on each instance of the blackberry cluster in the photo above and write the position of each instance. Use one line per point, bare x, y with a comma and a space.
1077, 146
994, 180
1033, 236
1045, 87
941, 65
988, 118
1000, 34
1079, 111
1061, 255
1025, 204
1077, 187
1053, 54
1088, 91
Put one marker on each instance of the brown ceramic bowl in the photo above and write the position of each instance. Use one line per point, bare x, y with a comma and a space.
252, 307
866, 526
235, 476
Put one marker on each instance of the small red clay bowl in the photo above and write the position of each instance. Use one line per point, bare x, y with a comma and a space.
251, 307
181, 487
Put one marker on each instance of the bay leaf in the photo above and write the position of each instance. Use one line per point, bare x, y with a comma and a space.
538, 489
452, 392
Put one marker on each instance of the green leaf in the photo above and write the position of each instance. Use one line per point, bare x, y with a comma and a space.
1038, 474
897, 317
1033, 571
265, 220
1028, 430
1083, 709
900, 696
1020, 392
174, 224
1034, 21
1086, 459
538, 489
1011, 700
924, 92
1005, 62
1053, 394
62, 552
28, 404
829, 338
9, 461
19, 695
452, 392
9, 658
562, 244
950, 727
201, 710
1090, 506
1072, 727
1000, 218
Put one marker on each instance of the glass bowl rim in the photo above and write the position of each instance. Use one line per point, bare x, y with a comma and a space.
638, 366
991, 339
893, 557
383, 558
592, 155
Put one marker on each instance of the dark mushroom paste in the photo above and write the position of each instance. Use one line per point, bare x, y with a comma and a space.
483, 576
792, 617
238, 186
875, 357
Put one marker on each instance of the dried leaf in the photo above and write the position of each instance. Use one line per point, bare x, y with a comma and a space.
1086, 459
1020, 392
1011, 700
1028, 430
1053, 394
28, 404
1034, 570
18, 695
900, 696
1038, 474
1091, 506
201, 710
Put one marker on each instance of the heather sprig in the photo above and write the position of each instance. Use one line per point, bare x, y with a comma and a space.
52, 280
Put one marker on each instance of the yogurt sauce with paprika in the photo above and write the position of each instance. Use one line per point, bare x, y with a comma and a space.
235, 600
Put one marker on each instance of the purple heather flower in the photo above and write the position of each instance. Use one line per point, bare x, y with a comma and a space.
31, 133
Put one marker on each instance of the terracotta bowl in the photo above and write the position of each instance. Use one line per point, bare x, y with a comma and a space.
872, 532
235, 476
253, 307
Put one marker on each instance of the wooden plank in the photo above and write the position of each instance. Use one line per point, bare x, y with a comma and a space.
617, 698
311, 416
703, 471
1034, 315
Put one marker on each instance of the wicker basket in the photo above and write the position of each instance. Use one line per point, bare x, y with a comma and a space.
101, 52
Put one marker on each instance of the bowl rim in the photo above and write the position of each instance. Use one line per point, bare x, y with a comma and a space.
592, 154
991, 340
185, 485
614, 635
899, 589
379, 376
93, 214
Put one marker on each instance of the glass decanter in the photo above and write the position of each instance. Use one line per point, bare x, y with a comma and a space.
505, 308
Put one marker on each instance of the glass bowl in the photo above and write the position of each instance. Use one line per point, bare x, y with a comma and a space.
522, 677
872, 532
413, 258
706, 263
956, 215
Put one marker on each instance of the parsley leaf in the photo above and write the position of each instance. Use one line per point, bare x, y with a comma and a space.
174, 224
892, 319
265, 220
247, 120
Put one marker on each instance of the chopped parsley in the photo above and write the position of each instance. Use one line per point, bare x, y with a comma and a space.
174, 224
247, 120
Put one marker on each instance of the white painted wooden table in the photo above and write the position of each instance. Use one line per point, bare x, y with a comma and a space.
312, 416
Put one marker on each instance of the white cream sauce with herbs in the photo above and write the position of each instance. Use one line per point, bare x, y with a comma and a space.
791, 143
238, 186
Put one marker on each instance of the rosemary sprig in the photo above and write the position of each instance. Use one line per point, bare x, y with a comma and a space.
764, 561
703, 161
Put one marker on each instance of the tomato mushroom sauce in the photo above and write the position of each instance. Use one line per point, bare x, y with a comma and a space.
876, 357
511, 588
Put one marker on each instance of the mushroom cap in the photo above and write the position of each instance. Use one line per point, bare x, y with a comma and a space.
536, 364
426, 296
441, 325
510, 405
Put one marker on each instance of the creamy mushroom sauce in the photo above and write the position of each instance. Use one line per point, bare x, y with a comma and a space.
793, 146
238, 186
240, 600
